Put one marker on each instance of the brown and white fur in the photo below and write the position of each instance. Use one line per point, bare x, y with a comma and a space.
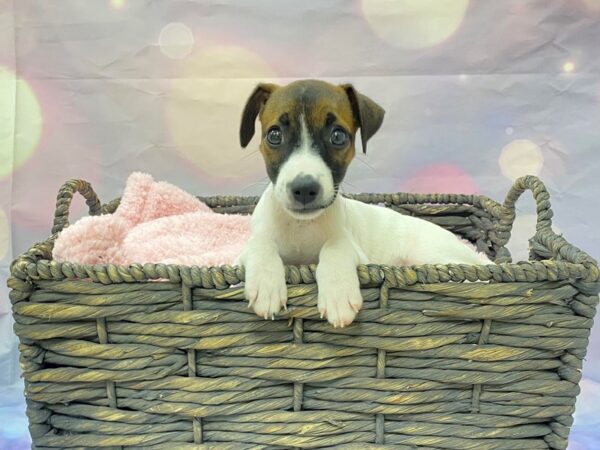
307, 142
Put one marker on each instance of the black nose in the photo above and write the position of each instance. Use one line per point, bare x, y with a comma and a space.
305, 189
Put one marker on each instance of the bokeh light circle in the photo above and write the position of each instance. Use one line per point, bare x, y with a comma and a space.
204, 108
20, 135
521, 157
414, 24
117, 4
176, 40
4, 231
568, 67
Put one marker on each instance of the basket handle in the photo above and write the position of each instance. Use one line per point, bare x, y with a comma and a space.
542, 202
64, 198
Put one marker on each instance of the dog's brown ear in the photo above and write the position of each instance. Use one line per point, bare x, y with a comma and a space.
255, 102
368, 115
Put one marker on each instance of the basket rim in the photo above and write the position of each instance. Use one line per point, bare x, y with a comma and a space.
569, 262
223, 277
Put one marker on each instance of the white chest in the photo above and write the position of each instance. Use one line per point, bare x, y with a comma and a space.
299, 242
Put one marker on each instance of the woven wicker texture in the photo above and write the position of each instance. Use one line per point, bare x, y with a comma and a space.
169, 357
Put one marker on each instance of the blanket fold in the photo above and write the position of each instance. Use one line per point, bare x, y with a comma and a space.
156, 222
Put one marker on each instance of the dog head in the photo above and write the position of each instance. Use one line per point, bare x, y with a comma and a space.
307, 139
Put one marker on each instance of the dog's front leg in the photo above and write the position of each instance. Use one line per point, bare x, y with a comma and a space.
339, 295
265, 287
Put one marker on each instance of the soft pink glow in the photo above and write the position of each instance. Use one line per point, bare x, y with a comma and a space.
440, 178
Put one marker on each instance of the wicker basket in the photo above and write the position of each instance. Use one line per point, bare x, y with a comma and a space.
169, 357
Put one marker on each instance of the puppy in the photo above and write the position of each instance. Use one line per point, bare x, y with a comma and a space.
307, 142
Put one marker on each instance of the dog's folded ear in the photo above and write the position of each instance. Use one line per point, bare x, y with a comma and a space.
368, 115
253, 106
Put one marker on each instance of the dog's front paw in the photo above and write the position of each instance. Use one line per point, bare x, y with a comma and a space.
339, 299
266, 291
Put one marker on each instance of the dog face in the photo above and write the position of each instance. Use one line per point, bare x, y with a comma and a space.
307, 141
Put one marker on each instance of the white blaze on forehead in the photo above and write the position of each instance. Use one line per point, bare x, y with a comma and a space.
306, 141
305, 159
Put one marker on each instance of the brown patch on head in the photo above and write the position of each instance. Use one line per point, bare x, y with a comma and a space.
281, 111
312, 99
330, 109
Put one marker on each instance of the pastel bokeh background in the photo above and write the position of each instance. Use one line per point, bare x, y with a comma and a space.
477, 93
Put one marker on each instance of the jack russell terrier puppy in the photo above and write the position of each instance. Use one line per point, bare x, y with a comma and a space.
307, 142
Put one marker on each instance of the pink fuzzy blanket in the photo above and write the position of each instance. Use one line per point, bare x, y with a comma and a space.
155, 222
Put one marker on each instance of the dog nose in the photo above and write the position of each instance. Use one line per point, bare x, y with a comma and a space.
305, 190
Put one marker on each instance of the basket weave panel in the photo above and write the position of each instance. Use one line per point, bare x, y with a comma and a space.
169, 357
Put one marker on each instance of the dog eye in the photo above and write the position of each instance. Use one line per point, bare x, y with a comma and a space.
339, 137
274, 136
